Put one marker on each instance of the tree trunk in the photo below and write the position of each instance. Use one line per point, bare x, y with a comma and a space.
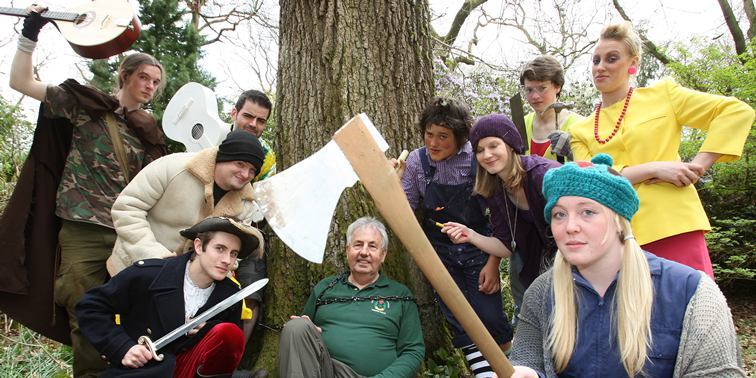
750, 12
337, 59
732, 24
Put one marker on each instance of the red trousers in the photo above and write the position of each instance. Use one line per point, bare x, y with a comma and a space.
219, 352
687, 249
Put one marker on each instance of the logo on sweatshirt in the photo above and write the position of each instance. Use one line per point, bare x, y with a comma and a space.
380, 306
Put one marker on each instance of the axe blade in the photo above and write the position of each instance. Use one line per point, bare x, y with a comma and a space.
299, 202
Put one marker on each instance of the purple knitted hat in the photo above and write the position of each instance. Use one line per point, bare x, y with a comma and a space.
496, 125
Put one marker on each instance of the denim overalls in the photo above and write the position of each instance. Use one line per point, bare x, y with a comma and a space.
455, 203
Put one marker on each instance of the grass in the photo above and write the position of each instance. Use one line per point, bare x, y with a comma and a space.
27, 354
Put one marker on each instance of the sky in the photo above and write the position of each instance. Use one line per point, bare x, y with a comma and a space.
676, 20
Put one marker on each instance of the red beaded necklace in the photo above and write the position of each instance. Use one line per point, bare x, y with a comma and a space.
619, 120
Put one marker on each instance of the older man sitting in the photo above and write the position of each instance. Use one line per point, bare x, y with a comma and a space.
359, 323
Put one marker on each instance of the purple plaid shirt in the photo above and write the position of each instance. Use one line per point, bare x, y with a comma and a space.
454, 170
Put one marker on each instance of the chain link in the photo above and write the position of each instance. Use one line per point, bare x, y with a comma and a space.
323, 302
319, 301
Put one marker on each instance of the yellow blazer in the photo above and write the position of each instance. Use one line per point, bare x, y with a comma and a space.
651, 131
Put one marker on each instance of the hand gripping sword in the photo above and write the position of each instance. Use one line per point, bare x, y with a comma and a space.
153, 347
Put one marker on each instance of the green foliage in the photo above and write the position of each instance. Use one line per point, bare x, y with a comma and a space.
444, 364
716, 69
728, 191
732, 246
175, 42
15, 137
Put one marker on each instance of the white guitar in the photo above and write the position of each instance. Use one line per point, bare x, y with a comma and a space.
191, 118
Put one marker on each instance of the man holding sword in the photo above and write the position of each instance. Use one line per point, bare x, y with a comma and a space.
155, 296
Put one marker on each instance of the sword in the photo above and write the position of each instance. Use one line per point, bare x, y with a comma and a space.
153, 347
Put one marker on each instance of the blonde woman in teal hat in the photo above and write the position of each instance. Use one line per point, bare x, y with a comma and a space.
609, 309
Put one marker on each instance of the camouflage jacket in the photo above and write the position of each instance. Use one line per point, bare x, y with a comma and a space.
92, 178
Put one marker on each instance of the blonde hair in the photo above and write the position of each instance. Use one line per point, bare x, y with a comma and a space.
486, 184
632, 302
624, 32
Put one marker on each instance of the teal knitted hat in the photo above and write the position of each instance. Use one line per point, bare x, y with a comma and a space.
595, 180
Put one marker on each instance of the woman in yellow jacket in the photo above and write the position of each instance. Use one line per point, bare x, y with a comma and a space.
641, 129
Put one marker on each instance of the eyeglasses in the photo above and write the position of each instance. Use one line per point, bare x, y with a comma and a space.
529, 91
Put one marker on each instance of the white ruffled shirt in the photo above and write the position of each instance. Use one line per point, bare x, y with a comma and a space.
194, 296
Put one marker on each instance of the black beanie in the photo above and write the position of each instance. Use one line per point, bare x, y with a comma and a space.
241, 145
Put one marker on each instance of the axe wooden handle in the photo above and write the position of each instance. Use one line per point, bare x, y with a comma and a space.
384, 187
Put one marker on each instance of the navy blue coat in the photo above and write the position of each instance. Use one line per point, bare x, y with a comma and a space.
149, 296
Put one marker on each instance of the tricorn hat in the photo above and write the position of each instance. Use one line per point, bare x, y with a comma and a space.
251, 238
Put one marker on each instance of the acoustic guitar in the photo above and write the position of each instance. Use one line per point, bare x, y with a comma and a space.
97, 29
191, 118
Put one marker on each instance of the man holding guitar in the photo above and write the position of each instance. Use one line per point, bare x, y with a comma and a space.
111, 139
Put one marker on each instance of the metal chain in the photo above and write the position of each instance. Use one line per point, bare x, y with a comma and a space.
323, 302
342, 278
319, 301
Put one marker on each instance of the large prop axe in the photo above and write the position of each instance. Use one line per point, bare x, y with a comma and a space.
299, 202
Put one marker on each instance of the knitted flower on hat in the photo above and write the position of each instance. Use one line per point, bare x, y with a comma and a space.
595, 180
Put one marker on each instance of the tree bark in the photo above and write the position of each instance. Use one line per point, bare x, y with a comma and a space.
732, 24
750, 12
460, 19
337, 59
651, 47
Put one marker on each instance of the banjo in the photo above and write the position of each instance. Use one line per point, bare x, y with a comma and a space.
97, 29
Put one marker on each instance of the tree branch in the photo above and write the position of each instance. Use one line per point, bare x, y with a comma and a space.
732, 24
751, 14
550, 27
650, 46
459, 20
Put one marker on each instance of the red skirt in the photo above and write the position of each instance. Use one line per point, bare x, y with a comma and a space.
688, 249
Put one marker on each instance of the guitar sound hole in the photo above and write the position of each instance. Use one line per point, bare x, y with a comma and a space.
197, 131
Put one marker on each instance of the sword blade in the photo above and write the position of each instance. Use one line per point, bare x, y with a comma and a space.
222, 305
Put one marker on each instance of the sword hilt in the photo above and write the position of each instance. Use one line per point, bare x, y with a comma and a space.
147, 342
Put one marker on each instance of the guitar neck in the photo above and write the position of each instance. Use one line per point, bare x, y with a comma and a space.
52, 15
